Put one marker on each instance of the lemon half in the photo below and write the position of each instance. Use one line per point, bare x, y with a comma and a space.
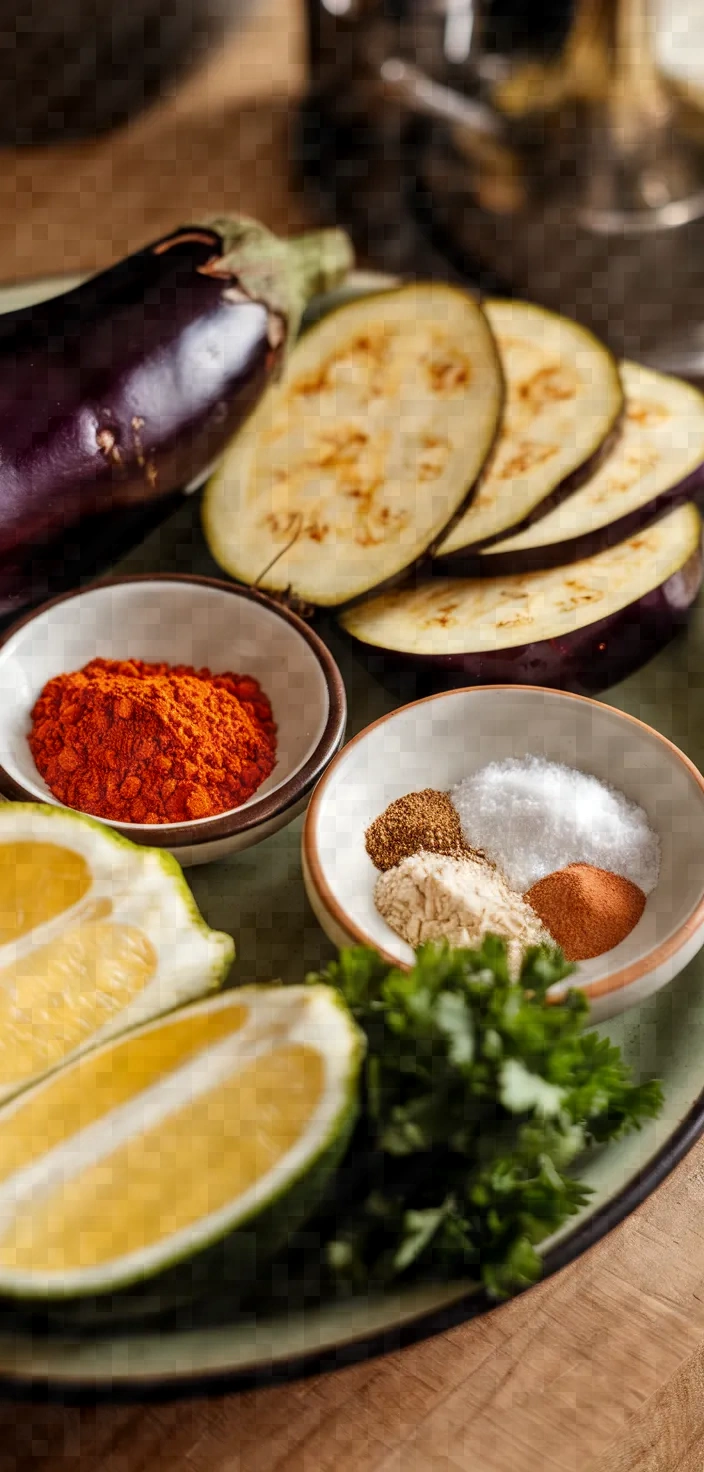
221, 1121
96, 936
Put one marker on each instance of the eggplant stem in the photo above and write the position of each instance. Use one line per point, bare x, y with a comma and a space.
281, 274
320, 259
183, 237
298, 525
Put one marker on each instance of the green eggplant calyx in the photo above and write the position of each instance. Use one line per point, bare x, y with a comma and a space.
284, 275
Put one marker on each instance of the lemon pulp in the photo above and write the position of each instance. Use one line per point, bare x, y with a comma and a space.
89, 935
38, 881
57, 996
192, 1162
205, 1136
102, 1081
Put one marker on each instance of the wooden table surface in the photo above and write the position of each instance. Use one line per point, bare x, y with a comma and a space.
600, 1369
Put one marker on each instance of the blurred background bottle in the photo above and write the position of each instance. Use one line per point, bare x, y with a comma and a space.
509, 26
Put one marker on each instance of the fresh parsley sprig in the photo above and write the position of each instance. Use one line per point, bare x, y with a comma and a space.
477, 1097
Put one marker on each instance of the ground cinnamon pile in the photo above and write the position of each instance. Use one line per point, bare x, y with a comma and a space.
586, 910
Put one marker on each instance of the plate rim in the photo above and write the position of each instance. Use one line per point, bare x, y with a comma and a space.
82, 1388
474, 1303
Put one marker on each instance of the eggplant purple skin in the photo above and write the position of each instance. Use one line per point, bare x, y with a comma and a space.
574, 549
113, 397
585, 662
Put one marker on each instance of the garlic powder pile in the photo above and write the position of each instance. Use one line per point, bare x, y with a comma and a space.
435, 897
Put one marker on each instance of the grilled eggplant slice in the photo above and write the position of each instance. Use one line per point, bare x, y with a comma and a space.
657, 461
564, 399
577, 628
356, 464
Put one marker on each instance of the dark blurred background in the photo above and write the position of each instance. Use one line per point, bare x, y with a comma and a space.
71, 68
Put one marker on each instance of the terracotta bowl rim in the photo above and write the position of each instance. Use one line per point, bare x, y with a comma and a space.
616, 981
258, 811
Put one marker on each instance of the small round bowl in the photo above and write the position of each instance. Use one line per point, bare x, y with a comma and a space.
193, 621
438, 741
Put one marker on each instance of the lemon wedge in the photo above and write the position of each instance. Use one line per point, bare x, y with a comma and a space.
216, 1125
96, 936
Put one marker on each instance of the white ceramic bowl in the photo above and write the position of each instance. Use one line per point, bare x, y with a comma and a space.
436, 742
182, 620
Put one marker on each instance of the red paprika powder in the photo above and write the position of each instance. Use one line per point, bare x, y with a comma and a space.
152, 743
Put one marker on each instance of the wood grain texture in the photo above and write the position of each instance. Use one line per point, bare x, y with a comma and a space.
601, 1369
219, 143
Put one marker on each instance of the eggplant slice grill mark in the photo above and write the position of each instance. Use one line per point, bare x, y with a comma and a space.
374, 438
564, 400
581, 627
657, 461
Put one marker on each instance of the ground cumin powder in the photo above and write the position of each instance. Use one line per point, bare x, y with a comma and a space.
587, 911
420, 820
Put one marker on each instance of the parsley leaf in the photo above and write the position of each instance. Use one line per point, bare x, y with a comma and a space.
477, 1098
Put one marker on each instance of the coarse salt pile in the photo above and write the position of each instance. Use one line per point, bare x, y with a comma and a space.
531, 817
458, 899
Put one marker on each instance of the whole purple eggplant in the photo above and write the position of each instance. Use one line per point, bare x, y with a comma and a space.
118, 395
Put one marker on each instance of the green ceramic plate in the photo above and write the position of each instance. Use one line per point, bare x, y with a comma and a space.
258, 896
